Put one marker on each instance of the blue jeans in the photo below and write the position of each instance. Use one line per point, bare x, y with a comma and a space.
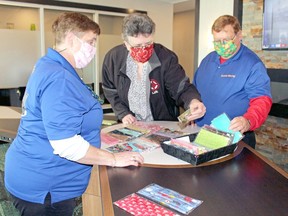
63, 208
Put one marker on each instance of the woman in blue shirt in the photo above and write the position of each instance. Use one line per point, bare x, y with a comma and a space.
49, 162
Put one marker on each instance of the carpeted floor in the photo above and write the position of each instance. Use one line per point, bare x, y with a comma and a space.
6, 206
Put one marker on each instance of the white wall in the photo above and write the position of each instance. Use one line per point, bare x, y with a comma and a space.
209, 11
12, 71
183, 40
16, 74
160, 12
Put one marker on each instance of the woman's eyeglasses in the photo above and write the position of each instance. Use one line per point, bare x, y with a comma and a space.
141, 45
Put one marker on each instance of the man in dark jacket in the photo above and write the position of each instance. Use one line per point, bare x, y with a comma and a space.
143, 80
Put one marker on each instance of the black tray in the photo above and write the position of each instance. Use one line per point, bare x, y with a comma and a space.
196, 159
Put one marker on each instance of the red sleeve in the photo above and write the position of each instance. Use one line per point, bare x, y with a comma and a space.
258, 111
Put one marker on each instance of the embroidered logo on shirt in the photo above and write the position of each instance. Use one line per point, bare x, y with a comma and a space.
228, 75
154, 86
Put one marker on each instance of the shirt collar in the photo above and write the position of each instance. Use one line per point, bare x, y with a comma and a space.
57, 57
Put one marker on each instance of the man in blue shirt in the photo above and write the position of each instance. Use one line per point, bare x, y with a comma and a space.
233, 80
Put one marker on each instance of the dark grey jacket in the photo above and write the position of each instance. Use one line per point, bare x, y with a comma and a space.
170, 88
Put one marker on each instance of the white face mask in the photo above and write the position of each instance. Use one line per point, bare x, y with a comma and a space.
84, 56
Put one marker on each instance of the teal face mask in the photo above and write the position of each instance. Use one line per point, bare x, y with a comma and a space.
226, 48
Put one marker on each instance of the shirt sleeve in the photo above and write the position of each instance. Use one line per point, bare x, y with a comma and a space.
109, 88
178, 84
62, 106
73, 148
258, 111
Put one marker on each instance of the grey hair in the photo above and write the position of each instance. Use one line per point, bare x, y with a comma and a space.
137, 23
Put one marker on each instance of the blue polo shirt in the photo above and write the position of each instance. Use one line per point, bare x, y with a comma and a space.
56, 105
229, 87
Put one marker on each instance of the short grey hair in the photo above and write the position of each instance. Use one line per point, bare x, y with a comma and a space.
137, 23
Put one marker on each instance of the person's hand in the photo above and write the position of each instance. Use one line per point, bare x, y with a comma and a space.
197, 110
239, 124
129, 119
123, 159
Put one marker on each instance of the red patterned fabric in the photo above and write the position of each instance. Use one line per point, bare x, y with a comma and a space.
142, 54
137, 205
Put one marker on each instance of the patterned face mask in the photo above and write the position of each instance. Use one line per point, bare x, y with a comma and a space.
84, 56
142, 54
226, 48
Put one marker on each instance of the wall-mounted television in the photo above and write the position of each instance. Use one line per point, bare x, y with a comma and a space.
275, 25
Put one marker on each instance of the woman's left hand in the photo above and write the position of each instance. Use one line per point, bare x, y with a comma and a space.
123, 159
